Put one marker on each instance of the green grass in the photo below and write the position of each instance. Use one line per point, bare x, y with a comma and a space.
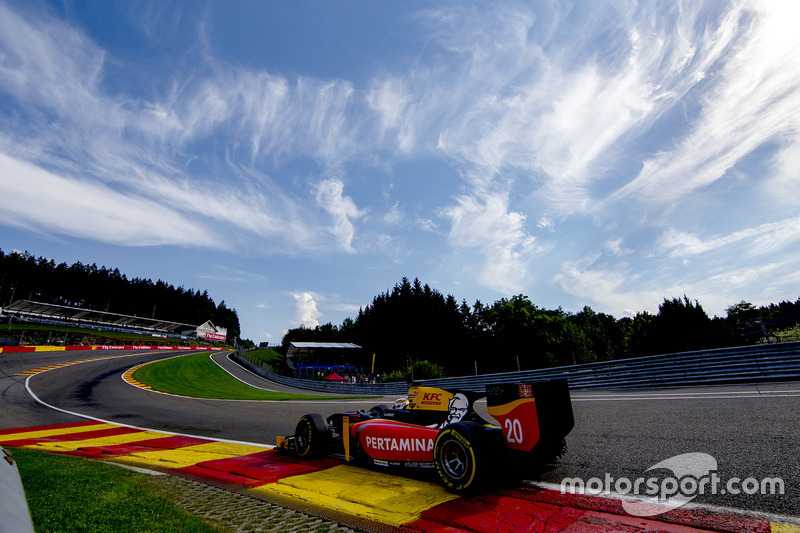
265, 358
73, 494
264, 355
198, 376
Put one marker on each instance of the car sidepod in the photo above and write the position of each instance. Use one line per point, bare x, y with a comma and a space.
392, 442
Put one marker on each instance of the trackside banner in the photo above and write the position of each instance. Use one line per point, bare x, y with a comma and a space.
12, 349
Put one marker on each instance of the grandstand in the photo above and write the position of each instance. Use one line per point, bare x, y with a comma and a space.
310, 358
29, 311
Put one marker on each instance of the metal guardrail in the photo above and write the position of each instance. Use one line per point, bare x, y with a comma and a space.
746, 364
378, 389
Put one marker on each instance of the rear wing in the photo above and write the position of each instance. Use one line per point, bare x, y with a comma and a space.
532, 415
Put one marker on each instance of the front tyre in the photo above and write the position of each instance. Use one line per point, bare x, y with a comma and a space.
457, 454
311, 437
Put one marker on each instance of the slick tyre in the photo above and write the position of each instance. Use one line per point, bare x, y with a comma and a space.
311, 437
459, 458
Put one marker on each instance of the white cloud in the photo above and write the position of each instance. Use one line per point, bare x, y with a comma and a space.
563, 117
306, 314
390, 99
614, 247
139, 147
505, 249
393, 247
783, 188
617, 288
36, 70
342, 209
394, 215
556, 118
36, 199
761, 240
534, 111
546, 223
608, 290
753, 101
426, 224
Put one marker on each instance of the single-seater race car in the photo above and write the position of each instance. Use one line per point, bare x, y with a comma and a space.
439, 428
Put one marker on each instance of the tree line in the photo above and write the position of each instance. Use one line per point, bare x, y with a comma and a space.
25, 277
413, 322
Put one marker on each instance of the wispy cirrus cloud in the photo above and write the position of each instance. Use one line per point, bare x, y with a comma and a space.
622, 289
752, 102
609, 289
759, 241
527, 106
137, 150
38, 200
518, 135
508, 102
342, 209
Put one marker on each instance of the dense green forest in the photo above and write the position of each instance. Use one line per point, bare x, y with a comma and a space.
414, 322
24, 277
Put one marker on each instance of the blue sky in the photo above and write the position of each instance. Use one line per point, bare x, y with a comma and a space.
296, 159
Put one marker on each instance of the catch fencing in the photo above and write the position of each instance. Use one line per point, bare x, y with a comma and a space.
747, 364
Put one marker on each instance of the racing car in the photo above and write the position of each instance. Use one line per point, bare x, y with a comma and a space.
438, 428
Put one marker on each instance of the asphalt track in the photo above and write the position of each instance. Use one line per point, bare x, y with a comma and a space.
752, 431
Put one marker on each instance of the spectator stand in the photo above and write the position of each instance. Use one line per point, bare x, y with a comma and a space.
26, 311
321, 360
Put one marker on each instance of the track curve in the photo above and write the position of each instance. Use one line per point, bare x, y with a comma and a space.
750, 430
95, 389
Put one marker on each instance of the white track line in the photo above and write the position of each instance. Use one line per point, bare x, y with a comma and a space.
88, 417
228, 357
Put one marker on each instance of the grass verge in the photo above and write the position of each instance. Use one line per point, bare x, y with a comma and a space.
72, 494
265, 358
196, 375
264, 355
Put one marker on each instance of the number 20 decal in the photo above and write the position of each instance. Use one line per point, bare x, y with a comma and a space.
514, 431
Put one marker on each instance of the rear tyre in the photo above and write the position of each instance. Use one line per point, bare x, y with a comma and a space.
311, 437
458, 457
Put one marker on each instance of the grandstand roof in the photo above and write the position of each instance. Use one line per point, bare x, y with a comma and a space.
43, 311
305, 348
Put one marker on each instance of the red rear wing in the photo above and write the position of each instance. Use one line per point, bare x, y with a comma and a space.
531, 414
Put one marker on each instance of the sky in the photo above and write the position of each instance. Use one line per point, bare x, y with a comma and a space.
296, 159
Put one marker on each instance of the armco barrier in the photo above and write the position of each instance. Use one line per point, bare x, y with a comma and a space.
747, 364
382, 389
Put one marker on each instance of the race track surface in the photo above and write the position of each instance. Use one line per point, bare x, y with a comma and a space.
750, 430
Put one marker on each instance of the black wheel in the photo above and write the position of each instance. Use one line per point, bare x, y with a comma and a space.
311, 436
457, 454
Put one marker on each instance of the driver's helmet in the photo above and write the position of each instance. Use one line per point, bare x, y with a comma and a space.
400, 403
